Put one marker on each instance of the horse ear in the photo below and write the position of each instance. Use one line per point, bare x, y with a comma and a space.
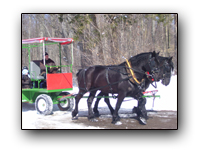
153, 54
170, 59
158, 53
171, 63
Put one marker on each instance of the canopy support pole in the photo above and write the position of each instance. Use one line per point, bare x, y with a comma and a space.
60, 57
72, 56
44, 55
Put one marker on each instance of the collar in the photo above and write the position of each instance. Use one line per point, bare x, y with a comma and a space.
131, 72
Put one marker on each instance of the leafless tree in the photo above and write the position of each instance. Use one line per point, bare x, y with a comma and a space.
102, 39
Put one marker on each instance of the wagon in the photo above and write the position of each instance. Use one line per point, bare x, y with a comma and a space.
58, 85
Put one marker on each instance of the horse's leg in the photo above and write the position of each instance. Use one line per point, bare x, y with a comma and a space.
89, 103
107, 101
95, 109
141, 110
116, 118
75, 111
134, 110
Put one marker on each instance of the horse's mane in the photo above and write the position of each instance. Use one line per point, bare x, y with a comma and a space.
137, 58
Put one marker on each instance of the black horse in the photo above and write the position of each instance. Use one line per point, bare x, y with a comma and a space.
114, 79
165, 68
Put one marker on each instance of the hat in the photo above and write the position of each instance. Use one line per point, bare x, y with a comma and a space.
46, 53
25, 67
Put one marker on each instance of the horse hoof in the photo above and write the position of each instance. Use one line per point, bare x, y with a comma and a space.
75, 118
142, 121
118, 123
97, 115
93, 120
134, 110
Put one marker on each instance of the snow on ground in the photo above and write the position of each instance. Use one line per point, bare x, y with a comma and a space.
58, 120
62, 119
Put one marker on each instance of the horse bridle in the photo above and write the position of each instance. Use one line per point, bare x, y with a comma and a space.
167, 70
153, 70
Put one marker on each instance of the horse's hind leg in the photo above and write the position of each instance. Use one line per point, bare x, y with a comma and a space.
107, 101
91, 116
95, 109
116, 118
75, 111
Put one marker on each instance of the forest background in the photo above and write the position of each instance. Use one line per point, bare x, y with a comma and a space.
102, 39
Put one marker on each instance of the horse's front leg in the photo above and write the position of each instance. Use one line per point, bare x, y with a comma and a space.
116, 118
141, 110
91, 116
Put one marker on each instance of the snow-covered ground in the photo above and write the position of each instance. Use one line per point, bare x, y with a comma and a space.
62, 120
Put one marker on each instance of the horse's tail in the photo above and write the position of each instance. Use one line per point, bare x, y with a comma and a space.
84, 78
81, 78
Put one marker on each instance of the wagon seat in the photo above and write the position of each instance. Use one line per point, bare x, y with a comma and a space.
35, 71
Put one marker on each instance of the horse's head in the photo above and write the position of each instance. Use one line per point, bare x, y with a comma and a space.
165, 72
147, 62
153, 65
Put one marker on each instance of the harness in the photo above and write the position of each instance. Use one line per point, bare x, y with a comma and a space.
131, 73
107, 78
131, 77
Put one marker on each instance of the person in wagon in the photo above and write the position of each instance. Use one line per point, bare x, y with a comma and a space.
25, 71
48, 62
26, 81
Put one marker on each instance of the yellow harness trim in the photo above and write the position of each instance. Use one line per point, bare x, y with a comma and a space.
131, 71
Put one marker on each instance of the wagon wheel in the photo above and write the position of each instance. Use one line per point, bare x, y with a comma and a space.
68, 102
44, 104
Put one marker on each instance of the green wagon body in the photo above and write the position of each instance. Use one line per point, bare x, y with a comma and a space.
54, 92
30, 95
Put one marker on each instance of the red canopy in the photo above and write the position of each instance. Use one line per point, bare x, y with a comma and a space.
62, 41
